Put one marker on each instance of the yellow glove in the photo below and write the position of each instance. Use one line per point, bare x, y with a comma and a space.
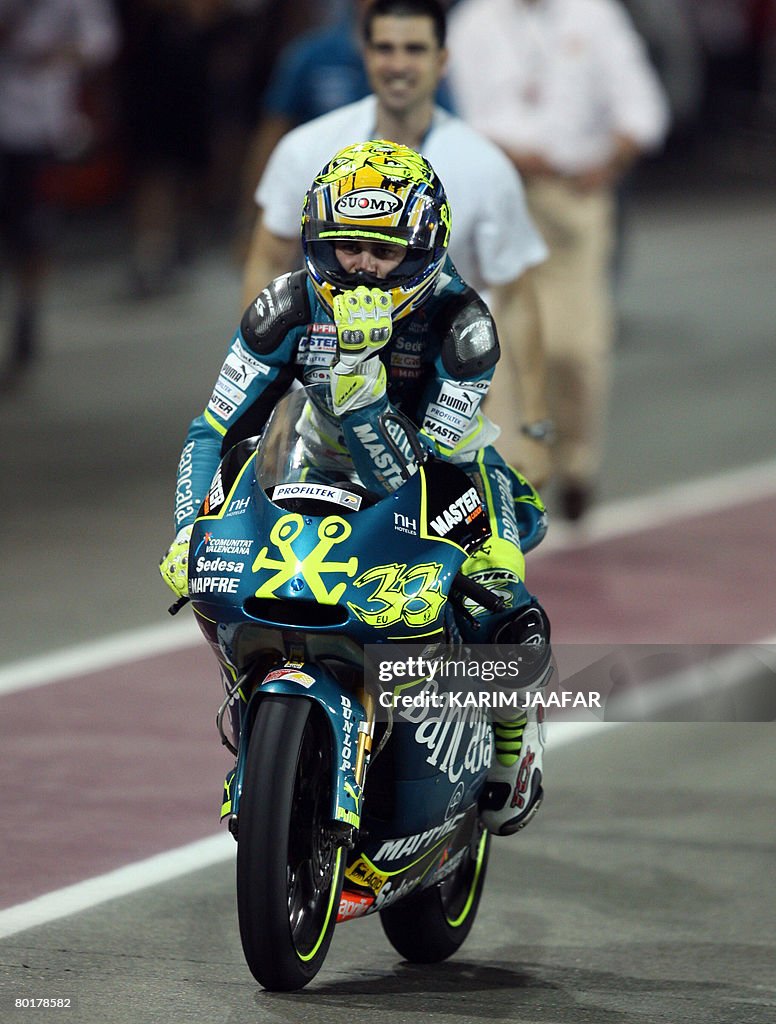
363, 319
174, 567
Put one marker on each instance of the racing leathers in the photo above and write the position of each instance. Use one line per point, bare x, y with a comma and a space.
434, 370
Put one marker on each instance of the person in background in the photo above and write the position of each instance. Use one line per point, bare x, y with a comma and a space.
168, 120
46, 47
566, 89
319, 71
494, 242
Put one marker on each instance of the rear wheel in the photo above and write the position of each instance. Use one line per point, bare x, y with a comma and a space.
433, 924
289, 870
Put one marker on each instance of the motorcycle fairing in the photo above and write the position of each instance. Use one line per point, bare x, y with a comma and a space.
433, 769
343, 712
333, 560
436, 853
227, 475
452, 510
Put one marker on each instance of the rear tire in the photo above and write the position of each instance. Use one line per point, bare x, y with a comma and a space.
289, 872
434, 924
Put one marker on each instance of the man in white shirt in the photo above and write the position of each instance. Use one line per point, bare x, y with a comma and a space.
566, 89
493, 240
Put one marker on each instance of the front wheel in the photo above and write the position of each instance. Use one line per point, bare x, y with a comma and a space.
433, 924
289, 870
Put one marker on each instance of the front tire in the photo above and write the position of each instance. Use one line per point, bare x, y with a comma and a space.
289, 871
434, 924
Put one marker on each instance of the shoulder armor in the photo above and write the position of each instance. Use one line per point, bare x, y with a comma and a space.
470, 342
282, 305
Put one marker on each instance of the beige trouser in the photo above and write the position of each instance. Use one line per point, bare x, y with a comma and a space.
575, 303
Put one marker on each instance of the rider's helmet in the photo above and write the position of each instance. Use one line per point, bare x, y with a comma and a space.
377, 191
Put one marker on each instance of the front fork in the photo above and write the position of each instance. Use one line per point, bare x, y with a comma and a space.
346, 824
366, 732
345, 712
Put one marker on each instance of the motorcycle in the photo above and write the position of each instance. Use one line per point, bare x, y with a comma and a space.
342, 806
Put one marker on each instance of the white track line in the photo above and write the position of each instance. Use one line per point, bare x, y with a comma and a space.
120, 649
74, 899
165, 867
618, 519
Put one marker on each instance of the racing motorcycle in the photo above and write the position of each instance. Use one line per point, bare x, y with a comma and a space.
341, 805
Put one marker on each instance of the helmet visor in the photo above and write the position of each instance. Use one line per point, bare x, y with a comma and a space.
324, 257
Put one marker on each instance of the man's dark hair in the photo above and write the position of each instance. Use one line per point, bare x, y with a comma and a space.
407, 9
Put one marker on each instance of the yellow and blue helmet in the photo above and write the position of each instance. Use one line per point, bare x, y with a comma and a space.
383, 192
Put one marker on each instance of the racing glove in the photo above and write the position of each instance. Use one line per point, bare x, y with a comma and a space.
174, 567
363, 319
364, 326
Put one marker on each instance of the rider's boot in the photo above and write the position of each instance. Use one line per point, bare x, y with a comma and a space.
513, 789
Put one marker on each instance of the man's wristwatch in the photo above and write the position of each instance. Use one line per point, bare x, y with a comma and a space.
541, 430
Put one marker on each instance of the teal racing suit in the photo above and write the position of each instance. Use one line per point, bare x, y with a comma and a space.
439, 363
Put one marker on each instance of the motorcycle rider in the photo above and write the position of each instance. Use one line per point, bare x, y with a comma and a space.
380, 315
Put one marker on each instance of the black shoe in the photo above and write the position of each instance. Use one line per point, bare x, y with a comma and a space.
24, 349
575, 501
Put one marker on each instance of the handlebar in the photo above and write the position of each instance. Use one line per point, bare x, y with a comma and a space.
175, 608
477, 593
